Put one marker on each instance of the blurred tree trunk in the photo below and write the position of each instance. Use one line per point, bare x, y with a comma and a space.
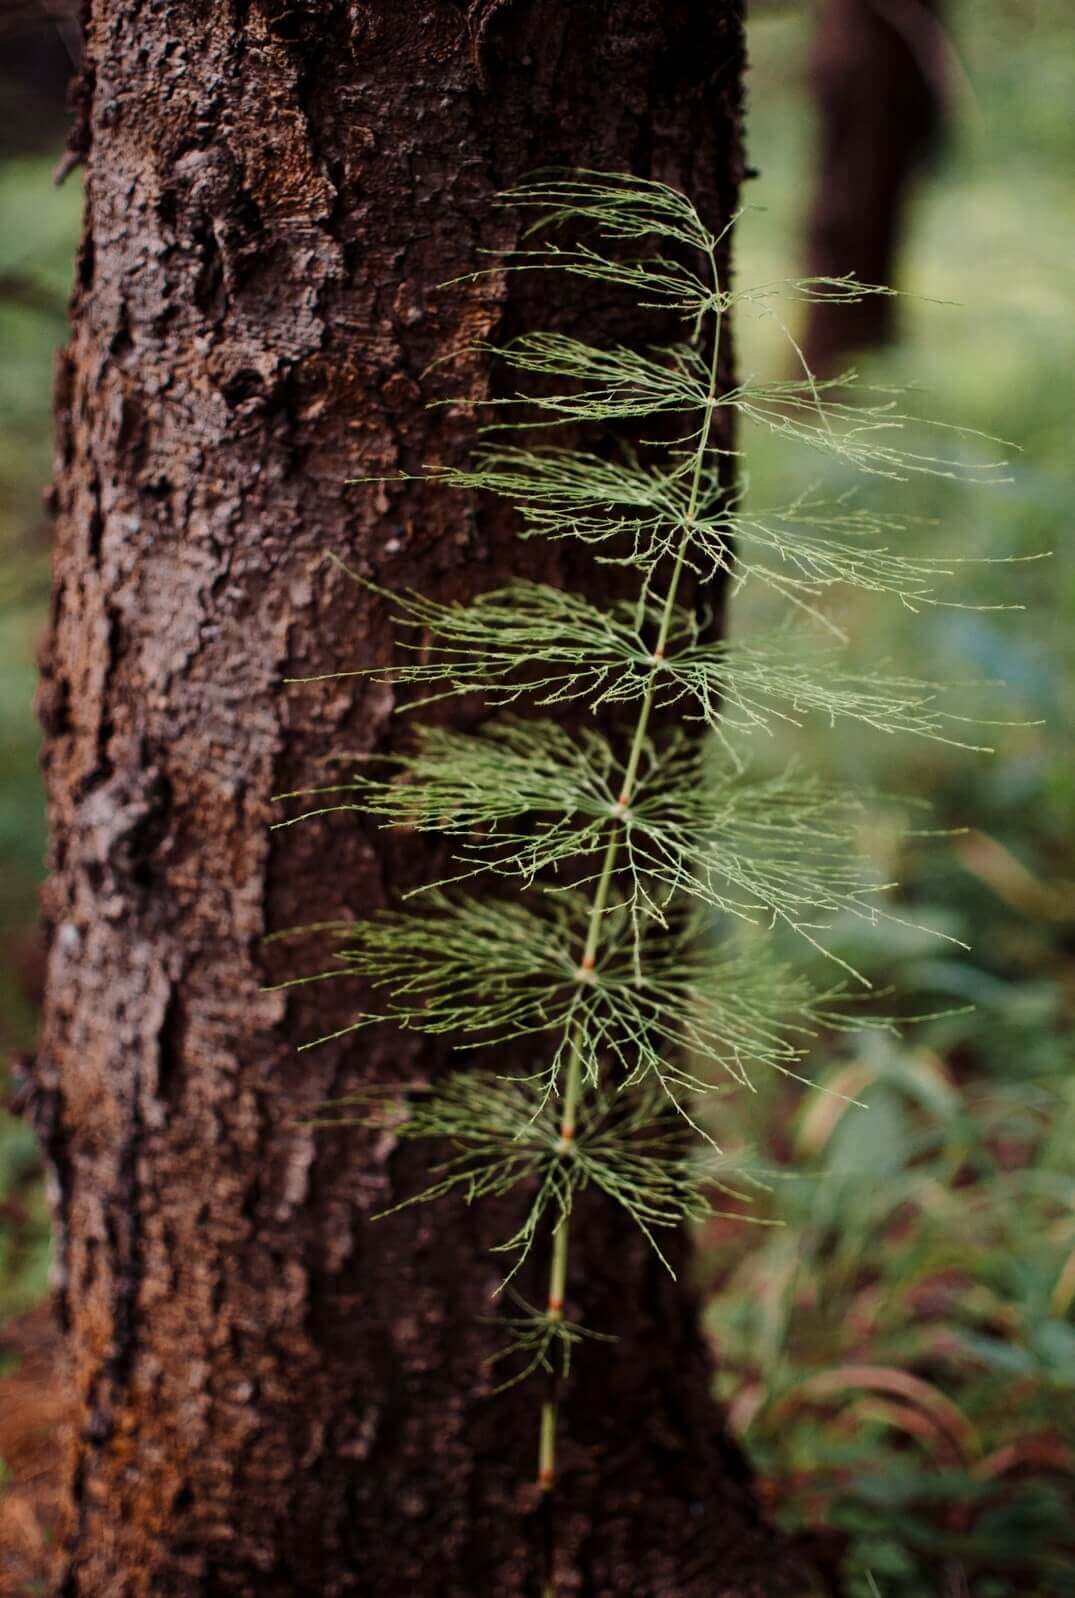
879, 69
39, 42
275, 1397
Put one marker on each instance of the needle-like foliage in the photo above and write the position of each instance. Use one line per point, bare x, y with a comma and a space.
490, 972
614, 992
528, 799
630, 1147
553, 646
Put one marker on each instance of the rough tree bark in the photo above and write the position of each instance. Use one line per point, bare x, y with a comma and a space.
879, 70
275, 1397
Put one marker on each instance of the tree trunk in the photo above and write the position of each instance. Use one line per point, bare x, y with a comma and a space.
274, 1395
879, 71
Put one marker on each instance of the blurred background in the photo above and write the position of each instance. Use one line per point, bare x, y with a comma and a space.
899, 1355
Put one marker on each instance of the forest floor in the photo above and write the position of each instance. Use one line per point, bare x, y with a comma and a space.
899, 1354
33, 1405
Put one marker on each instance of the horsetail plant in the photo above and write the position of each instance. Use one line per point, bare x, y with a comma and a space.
643, 851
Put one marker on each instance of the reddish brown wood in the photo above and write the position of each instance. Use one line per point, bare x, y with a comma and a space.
275, 1396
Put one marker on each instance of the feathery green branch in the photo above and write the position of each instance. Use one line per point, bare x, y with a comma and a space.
617, 993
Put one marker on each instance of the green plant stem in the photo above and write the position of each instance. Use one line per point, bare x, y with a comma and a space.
619, 822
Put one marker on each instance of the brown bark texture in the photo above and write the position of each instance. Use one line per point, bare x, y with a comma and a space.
275, 1395
879, 71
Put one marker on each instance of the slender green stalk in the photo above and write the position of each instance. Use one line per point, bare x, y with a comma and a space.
620, 819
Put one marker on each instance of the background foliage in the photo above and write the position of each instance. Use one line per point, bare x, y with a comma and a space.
36, 246
900, 1355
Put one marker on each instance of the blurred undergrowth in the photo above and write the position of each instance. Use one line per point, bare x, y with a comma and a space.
899, 1357
37, 239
